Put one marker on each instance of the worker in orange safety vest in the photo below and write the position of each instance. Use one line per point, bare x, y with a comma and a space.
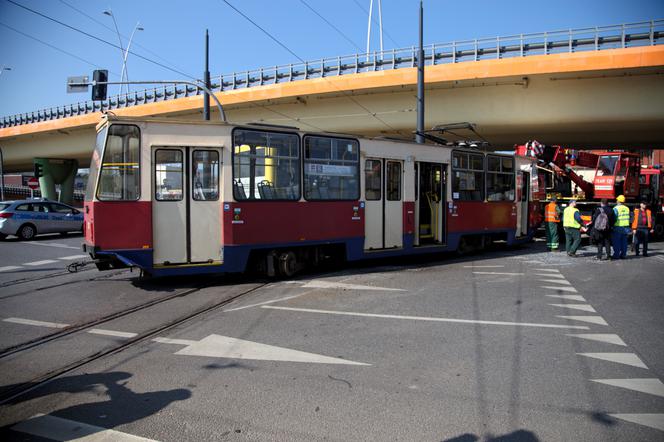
641, 226
552, 214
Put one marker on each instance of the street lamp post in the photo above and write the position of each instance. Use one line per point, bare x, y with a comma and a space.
2, 160
125, 73
110, 14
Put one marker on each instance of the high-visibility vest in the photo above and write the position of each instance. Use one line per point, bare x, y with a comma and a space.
637, 215
551, 213
622, 219
568, 218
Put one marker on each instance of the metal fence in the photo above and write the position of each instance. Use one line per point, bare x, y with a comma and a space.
522, 45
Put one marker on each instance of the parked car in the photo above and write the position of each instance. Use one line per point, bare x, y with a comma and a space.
28, 218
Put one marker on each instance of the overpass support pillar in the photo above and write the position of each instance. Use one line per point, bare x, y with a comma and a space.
57, 171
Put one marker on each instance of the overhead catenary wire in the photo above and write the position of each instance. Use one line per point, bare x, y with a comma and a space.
73, 28
273, 38
102, 24
346, 37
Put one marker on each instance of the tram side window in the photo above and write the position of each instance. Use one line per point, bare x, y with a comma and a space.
393, 186
119, 179
372, 180
168, 174
266, 165
331, 168
205, 175
467, 176
500, 178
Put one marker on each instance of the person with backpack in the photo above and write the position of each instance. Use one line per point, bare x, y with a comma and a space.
601, 221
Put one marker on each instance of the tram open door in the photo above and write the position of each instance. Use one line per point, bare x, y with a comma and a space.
383, 204
430, 203
186, 224
523, 203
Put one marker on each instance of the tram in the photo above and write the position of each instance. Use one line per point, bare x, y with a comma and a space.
175, 197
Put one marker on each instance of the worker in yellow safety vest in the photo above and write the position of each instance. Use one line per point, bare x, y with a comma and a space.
572, 224
552, 214
620, 228
641, 226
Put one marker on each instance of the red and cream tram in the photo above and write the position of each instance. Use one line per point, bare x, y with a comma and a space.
184, 197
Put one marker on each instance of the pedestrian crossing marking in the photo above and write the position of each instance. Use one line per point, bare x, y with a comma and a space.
619, 358
601, 337
645, 385
583, 307
592, 319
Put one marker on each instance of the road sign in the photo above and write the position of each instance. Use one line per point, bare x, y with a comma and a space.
33, 183
77, 84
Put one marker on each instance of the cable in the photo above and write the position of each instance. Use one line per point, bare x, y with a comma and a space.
377, 24
331, 25
100, 23
304, 62
54, 47
100, 39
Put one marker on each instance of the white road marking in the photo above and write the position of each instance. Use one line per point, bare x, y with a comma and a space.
425, 318
37, 323
497, 273
481, 267
548, 270
556, 281
59, 429
569, 297
648, 385
533, 262
216, 346
601, 337
564, 289
9, 268
652, 420
619, 358
582, 307
68, 258
174, 341
258, 304
592, 319
550, 275
317, 284
59, 246
119, 334
40, 263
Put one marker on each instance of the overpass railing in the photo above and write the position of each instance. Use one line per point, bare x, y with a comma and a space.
522, 45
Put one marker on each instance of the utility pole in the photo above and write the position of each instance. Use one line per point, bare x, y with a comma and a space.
420, 81
206, 78
2, 176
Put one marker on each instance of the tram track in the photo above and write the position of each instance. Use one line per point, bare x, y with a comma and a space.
25, 387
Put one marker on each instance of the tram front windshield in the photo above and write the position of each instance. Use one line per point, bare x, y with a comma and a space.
94, 164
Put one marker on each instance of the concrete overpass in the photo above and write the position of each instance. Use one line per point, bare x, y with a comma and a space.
599, 87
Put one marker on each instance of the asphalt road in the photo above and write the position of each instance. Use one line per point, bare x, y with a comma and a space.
509, 345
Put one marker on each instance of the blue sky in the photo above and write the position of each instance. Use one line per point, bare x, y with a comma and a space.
174, 32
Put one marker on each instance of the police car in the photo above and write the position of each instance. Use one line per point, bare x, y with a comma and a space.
27, 218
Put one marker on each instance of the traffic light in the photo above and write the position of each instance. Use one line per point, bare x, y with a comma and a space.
39, 170
99, 90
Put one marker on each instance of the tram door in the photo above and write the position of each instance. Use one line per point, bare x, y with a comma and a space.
383, 228
430, 203
523, 204
186, 225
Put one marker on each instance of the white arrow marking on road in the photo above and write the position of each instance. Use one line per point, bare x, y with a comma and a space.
569, 297
37, 323
652, 420
556, 281
216, 346
619, 358
647, 385
340, 285
119, 334
40, 263
424, 318
592, 319
9, 268
583, 307
601, 337
59, 429
564, 289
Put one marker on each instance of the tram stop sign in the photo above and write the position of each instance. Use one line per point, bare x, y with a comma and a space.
33, 183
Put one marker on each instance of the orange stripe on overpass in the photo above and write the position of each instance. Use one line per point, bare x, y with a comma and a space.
630, 58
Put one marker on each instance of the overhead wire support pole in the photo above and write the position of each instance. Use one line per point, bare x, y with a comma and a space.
420, 81
206, 75
369, 28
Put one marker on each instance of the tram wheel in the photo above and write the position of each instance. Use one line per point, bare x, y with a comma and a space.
288, 265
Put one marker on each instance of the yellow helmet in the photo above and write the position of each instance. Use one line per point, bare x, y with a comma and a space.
621, 198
